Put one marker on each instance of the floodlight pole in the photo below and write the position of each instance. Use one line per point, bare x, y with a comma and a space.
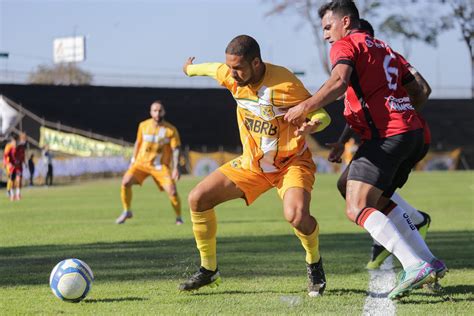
5, 55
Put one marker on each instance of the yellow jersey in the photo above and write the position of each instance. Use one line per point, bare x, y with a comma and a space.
6, 158
155, 143
268, 140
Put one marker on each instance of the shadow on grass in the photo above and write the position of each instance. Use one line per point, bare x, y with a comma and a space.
445, 294
249, 257
251, 292
114, 300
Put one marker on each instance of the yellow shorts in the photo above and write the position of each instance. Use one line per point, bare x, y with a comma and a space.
162, 177
299, 173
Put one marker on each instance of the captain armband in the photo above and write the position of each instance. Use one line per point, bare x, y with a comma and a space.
322, 116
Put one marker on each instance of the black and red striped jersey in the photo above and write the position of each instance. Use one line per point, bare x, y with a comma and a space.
376, 104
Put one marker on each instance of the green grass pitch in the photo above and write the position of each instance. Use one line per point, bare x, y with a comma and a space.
139, 265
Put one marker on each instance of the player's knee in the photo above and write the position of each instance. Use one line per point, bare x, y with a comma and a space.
196, 200
172, 191
352, 210
127, 181
296, 215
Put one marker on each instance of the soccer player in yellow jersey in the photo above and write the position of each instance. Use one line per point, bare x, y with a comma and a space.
155, 154
272, 157
6, 150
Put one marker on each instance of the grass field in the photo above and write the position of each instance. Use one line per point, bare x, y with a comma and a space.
139, 265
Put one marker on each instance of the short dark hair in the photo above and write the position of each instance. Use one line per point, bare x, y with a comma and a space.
364, 25
340, 7
244, 45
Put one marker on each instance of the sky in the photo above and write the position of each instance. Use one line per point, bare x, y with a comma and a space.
145, 42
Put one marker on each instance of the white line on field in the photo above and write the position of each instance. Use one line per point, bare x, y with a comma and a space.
380, 284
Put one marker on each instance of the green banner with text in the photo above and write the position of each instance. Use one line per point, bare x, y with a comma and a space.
79, 145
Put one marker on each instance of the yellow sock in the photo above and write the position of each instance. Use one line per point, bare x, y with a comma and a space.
176, 204
310, 243
205, 229
126, 196
9, 184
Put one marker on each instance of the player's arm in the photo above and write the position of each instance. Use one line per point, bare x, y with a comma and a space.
418, 90
416, 86
175, 173
332, 89
138, 143
204, 69
320, 116
337, 148
175, 144
316, 121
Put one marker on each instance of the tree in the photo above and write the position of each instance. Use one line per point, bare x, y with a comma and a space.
308, 9
60, 74
424, 23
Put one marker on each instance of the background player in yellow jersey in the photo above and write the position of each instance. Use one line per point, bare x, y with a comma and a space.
156, 154
272, 157
11, 143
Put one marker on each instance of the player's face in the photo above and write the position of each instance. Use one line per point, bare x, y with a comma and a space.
241, 70
334, 27
157, 112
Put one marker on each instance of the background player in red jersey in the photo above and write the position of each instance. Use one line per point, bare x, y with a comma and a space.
378, 106
14, 158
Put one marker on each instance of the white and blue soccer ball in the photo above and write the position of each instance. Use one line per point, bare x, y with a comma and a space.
71, 280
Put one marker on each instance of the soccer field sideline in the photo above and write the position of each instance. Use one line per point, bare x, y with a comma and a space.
56, 210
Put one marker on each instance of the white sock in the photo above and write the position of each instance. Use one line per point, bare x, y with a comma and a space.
386, 233
17, 191
408, 230
416, 216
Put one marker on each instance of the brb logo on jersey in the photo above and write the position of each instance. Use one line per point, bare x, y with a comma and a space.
260, 127
266, 112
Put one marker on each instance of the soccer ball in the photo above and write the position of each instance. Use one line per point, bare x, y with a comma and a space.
71, 280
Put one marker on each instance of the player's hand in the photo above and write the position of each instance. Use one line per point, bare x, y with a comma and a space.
175, 175
308, 128
188, 62
337, 149
296, 115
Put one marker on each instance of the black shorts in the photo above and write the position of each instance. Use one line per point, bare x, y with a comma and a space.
386, 163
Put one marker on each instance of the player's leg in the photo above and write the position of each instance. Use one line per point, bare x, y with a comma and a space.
9, 182
296, 210
170, 188
420, 219
402, 220
130, 178
372, 172
360, 202
379, 253
13, 177
19, 180
294, 188
216, 188
342, 182
49, 176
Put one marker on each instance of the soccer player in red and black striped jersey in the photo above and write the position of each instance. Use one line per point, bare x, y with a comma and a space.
420, 219
378, 106
14, 158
